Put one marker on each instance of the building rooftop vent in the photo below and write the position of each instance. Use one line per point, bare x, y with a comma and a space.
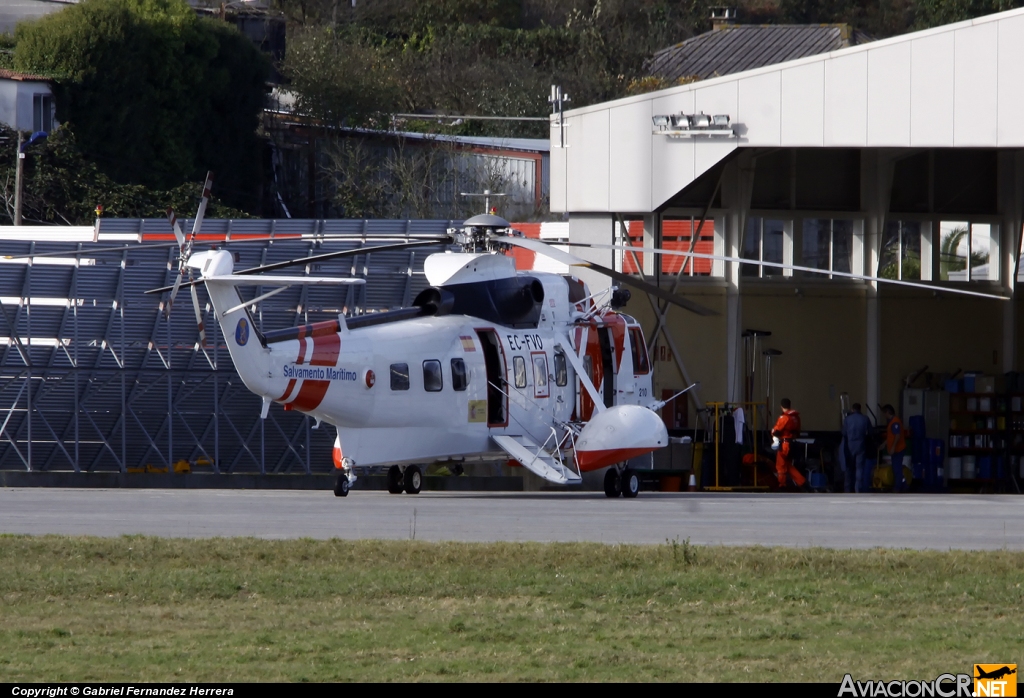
721, 16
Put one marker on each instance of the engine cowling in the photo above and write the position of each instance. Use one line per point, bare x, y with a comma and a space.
617, 434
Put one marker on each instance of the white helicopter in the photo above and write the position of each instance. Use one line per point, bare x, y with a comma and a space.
489, 363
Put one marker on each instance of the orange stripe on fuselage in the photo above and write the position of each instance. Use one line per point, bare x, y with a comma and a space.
326, 349
287, 391
311, 394
592, 460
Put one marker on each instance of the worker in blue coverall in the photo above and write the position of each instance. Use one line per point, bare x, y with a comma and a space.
855, 431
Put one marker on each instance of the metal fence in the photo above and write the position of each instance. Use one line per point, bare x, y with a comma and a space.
95, 377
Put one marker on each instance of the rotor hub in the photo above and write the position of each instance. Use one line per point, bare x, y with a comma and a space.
483, 233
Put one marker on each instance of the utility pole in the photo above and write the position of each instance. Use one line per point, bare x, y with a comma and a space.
17, 181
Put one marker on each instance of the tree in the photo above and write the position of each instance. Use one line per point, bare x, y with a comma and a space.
61, 187
155, 94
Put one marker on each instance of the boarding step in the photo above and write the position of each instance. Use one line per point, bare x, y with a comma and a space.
534, 458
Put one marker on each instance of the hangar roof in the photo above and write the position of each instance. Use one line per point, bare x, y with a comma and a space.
955, 86
733, 48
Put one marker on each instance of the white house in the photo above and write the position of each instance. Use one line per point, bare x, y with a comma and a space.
26, 102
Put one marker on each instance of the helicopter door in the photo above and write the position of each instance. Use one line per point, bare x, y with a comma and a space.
604, 337
494, 360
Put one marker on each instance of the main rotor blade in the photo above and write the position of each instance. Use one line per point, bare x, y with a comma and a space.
434, 239
314, 259
335, 255
794, 267
574, 261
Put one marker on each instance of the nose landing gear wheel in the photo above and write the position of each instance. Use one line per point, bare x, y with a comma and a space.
395, 483
341, 486
612, 484
413, 479
630, 483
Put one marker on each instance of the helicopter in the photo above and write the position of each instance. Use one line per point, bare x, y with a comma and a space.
488, 363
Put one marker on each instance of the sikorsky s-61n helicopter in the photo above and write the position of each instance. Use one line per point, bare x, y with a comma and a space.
488, 363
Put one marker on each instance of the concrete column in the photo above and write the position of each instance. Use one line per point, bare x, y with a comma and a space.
929, 251
652, 238
792, 244
737, 185
597, 228
876, 186
1011, 206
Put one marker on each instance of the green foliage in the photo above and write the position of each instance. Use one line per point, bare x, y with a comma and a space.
490, 57
7, 51
932, 13
61, 187
155, 94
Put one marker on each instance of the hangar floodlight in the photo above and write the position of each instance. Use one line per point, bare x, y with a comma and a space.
690, 125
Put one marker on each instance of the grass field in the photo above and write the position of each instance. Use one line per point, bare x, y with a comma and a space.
148, 609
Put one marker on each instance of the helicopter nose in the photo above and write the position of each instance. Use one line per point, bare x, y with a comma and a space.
618, 434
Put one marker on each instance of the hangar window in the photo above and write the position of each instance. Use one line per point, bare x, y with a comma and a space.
899, 256
686, 234
519, 369
965, 250
460, 379
432, 381
827, 244
763, 242
399, 376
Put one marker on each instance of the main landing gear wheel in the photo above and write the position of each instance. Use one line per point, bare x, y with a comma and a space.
612, 484
630, 483
395, 484
341, 486
413, 479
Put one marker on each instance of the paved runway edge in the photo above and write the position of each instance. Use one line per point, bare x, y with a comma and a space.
938, 522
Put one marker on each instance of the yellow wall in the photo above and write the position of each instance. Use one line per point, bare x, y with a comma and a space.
821, 332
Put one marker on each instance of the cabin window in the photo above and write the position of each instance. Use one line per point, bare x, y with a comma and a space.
641, 364
519, 366
540, 375
399, 376
432, 381
561, 371
460, 379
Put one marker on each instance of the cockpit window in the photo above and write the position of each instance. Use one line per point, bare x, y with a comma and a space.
641, 364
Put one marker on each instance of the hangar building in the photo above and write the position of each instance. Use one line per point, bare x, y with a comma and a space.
899, 158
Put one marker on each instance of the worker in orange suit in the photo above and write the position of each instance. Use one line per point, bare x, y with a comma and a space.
785, 430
